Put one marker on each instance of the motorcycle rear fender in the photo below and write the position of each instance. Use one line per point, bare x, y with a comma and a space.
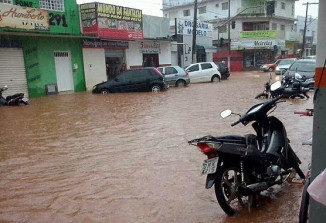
210, 180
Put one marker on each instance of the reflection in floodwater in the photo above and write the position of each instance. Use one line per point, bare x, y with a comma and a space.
125, 157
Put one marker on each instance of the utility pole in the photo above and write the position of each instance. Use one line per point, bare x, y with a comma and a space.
194, 32
305, 28
229, 39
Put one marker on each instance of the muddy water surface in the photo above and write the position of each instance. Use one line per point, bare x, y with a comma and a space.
125, 158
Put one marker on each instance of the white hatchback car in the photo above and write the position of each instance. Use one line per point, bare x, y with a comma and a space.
203, 72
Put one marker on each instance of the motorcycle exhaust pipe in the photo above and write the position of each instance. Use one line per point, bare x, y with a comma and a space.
254, 188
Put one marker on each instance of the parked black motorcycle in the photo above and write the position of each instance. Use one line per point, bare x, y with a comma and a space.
241, 167
286, 89
288, 81
16, 99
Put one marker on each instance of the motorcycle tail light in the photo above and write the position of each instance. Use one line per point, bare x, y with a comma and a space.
207, 148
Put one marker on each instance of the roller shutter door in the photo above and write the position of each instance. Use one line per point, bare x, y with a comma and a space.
12, 71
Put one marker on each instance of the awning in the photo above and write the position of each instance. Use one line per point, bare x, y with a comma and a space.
207, 48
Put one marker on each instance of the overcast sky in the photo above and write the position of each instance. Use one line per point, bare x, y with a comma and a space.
153, 7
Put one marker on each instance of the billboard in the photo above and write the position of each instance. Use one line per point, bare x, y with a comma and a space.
185, 27
12, 16
111, 21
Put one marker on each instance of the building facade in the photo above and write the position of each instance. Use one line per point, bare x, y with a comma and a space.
40, 47
118, 36
258, 30
311, 34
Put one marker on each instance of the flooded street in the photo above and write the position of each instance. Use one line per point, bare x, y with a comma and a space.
125, 158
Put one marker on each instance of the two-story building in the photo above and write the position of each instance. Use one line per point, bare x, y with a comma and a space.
310, 36
258, 28
40, 47
117, 36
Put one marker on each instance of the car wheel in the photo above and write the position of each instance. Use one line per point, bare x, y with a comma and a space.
215, 78
180, 83
156, 88
270, 69
105, 91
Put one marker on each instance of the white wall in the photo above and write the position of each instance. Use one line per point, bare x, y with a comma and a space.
134, 56
165, 53
94, 67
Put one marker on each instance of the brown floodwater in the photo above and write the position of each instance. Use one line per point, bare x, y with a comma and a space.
124, 157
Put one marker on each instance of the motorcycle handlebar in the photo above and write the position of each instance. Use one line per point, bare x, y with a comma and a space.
235, 123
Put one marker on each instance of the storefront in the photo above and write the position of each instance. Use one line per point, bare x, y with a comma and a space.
257, 52
103, 60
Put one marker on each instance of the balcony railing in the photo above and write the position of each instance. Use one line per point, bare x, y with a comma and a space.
251, 10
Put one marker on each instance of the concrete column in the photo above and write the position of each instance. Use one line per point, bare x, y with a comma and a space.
317, 212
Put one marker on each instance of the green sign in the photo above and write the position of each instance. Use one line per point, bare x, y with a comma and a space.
258, 34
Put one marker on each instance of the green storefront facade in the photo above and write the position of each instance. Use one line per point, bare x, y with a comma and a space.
49, 37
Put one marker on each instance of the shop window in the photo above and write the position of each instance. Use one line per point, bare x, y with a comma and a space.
55, 5
202, 10
186, 12
6, 1
225, 6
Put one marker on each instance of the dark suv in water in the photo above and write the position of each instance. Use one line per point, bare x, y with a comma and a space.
143, 79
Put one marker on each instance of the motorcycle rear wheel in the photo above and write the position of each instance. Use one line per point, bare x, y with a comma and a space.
228, 179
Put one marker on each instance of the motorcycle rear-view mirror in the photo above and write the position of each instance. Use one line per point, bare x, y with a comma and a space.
226, 113
276, 85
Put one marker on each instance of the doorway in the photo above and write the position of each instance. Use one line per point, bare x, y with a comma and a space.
63, 70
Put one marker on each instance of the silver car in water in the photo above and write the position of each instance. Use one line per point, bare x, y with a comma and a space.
175, 76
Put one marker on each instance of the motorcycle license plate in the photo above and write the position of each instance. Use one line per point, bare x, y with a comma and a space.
209, 166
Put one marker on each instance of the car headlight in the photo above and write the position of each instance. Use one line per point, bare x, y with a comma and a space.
277, 68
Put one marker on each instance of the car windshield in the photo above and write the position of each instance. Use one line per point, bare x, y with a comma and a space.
303, 66
285, 62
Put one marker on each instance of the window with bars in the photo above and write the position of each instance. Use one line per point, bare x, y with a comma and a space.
55, 5
6, 1
186, 12
202, 10
225, 6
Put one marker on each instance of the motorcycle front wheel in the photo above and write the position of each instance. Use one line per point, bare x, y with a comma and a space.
228, 179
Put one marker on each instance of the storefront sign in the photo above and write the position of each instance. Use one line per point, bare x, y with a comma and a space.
105, 44
111, 21
150, 46
257, 44
185, 27
12, 16
258, 34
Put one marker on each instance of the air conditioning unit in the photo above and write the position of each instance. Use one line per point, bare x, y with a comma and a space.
51, 89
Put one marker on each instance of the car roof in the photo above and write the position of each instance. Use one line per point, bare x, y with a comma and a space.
308, 60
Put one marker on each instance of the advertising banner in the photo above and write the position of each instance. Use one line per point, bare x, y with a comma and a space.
257, 44
92, 43
268, 34
111, 21
88, 18
16, 17
185, 27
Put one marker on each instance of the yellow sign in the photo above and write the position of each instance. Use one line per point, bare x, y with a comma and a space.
12, 16
270, 34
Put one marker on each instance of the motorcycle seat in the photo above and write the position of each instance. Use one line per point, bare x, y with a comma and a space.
231, 139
